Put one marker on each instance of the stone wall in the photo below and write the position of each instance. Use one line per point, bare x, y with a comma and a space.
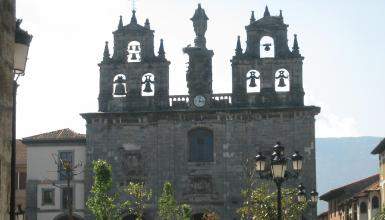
153, 147
7, 29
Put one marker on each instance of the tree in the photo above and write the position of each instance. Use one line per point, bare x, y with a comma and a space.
138, 196
262, 205
168, 208
380, 215
101, 203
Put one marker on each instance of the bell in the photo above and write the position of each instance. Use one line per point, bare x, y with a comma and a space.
120, 89
133, 57
252, 83
131, 48
137, 48
281, 82
267, 47
147, 88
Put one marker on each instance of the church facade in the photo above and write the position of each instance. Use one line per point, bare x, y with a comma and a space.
199, 141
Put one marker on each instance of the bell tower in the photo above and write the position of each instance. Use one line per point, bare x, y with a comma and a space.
267, 73
133, 78
199, 73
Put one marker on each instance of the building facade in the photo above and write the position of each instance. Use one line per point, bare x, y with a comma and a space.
7, 39
380, 151
199, 141
48, 195
21, 176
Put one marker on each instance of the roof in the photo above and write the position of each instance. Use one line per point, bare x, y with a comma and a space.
61, 136
351, 190
380, 147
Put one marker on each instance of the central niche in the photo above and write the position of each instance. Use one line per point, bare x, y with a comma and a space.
134, 50
201, 145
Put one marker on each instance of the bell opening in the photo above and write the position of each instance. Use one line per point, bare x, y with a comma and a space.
282, 81
253, 82
119, 86
134, 52
148, 85
267, 47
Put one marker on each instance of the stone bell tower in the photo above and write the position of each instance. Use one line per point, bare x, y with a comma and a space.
134, 77
267, 63
199, 74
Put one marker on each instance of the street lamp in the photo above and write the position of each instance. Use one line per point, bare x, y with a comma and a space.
278, 170
21, 48
303, 197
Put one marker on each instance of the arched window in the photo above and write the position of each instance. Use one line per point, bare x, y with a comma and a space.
119, 87
134, 52
148, 84
253, 81
363, 208
201, 145
375, 202
282, 80
197, 216
267, 47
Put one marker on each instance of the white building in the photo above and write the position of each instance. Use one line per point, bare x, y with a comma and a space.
47, 193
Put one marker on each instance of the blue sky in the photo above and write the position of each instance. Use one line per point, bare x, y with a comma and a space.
342, 41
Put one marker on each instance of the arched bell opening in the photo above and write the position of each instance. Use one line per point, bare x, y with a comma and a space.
282, 81
134, 49
253, 81
148, 84
119, 86
266, 47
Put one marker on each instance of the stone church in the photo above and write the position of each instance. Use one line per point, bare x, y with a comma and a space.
199, 141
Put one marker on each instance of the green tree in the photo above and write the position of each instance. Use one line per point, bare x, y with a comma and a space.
100, 202
262, 205
380, 215
168, 208
138, 196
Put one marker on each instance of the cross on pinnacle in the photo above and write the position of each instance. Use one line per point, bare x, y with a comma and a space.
133, 2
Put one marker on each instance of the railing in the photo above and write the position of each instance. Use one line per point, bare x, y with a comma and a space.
179, 101
221, 100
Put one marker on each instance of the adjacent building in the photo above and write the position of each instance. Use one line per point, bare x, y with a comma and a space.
199, 141
380, 150
7, 39
21, 176
48, 196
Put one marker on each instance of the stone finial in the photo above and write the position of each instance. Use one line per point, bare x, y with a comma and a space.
120, 26
267, 12
252, 18
133, 18
238, 50
161, 52
280, 14
106, 53
295, 46
147, 24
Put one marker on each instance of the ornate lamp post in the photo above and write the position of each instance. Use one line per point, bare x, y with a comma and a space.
303, 197
278, 171
21, 47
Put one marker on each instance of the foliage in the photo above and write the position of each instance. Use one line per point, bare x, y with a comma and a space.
210, 215
262, 205
138, 197
101, 203
168, 208
380, 215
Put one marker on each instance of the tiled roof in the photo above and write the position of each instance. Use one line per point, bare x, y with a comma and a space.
62, 135
350, 190
380, 147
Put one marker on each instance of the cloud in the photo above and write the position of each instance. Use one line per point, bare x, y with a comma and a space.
329, 124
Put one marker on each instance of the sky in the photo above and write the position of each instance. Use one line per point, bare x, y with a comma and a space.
342, 42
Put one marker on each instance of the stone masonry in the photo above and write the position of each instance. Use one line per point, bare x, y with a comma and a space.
7, 39
154, 138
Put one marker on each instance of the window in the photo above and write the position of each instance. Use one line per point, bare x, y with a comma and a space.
65, 157
253, 82
67, 197
267, 47
282, 80
201, 145
375, 202
21, 178
363, 208
134, 52
48, 197
148, 84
